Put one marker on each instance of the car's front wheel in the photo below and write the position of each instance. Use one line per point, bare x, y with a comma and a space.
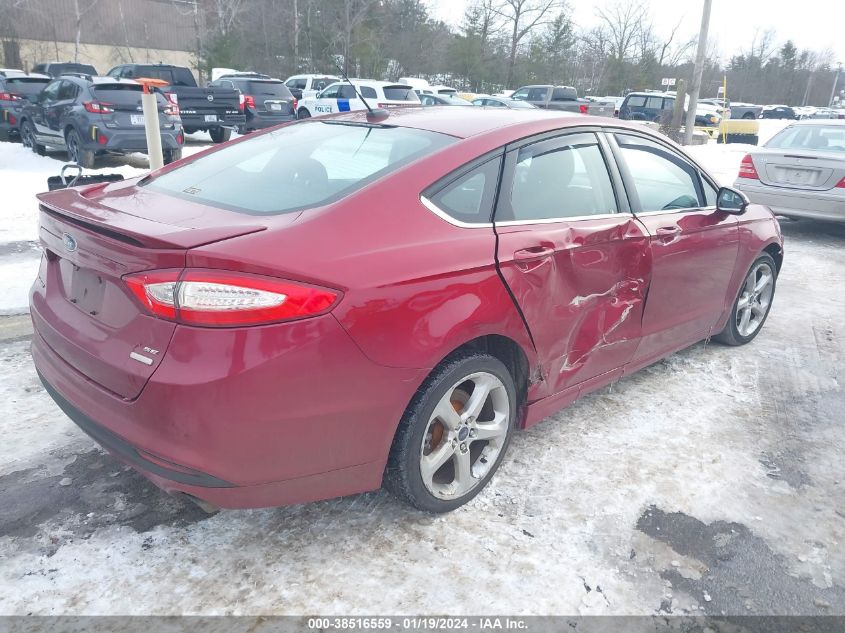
753, 303
454, 433
28, 138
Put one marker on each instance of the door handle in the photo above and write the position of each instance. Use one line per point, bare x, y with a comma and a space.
668, 233
533, 254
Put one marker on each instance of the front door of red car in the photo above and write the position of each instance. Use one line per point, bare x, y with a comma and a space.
573, 256
693, 246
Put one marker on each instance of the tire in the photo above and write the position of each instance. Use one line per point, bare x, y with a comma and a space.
171, 155
466, 445
220, 134
735, 333
189, 130
748, 115
302, 113
28, 138
76, 153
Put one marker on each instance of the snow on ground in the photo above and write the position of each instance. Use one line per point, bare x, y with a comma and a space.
24, 174
711, 482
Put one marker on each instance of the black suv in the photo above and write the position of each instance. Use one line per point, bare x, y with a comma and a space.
88, 116
16, 89
215, 110
265, 101
56, 69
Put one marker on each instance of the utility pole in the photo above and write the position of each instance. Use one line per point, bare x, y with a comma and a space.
835, 84
698, 72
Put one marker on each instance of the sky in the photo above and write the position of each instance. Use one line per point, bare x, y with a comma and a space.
732, 22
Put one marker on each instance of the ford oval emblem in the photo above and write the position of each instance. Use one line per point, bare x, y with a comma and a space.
69, 242
211, 97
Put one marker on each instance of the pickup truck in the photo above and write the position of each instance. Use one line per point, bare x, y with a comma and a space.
216, 110
563, 98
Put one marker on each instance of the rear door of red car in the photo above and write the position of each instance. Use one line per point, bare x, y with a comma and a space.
573, 256
694, 246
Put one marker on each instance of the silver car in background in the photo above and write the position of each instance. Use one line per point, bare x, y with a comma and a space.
799, 172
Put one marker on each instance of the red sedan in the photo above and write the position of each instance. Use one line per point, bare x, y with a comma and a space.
340, 304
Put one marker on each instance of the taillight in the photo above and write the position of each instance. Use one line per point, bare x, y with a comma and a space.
249, 101
8, 96
219, 298
747, 169
98, 107
102, 139
172, 97
295, 104
583, 108
841, 184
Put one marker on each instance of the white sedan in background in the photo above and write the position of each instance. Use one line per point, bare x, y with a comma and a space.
341, 97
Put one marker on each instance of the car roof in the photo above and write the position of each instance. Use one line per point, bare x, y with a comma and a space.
469, 122
17, 75
839, 122
643, 93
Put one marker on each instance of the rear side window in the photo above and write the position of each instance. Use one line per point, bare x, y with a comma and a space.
469, 198
368, 93
654, 103
124, 94
320, 83
564, 94
401, 93
297, 167
636, 102
67, 91
559, 178
663, 180
26, 85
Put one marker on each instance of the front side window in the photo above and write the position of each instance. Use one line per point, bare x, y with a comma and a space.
560, 178
470, 197
297, 167
636, 102
50, 93
331, 92
67, 91
520, 95
663, 180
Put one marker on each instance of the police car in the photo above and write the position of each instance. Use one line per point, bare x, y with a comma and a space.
341, 97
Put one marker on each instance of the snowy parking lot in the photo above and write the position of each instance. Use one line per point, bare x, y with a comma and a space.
711, 482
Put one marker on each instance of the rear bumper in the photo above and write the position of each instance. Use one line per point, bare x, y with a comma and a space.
248, 417
10, 119
259, 121
129, 140
814, 205
198, 122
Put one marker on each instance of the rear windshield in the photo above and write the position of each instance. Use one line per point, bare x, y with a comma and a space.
26, 85
59, 69
400, 93
297, 167
267, 89
828, 138
123, 94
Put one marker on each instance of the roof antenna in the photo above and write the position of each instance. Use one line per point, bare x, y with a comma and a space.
373, 115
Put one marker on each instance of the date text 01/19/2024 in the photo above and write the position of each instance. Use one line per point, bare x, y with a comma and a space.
421, 623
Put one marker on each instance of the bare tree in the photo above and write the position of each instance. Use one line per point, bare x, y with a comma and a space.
79, 11
522, 16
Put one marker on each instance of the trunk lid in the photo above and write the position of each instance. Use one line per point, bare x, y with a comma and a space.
799, 169
81, 306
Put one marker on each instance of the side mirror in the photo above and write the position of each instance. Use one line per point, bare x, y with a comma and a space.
731, 201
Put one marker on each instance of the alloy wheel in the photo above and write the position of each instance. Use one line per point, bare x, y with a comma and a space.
466, 432
755, 299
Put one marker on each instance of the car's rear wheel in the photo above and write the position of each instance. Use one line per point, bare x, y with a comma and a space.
748, 115
220, 134
303, 114
752, 306
454, 433
76, 152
